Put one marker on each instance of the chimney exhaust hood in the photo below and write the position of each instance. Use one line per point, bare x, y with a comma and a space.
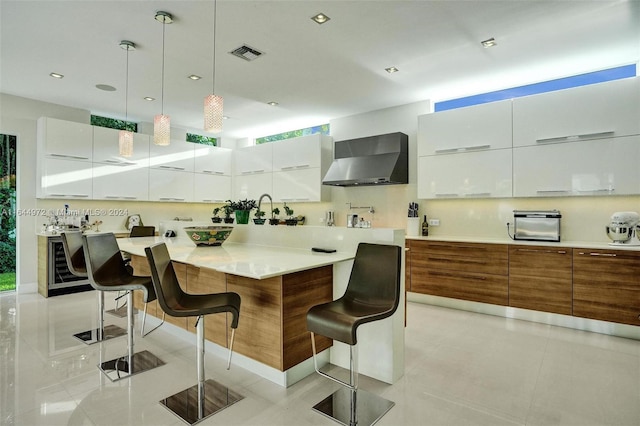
374, 160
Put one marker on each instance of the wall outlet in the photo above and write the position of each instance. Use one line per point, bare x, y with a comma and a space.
434, 222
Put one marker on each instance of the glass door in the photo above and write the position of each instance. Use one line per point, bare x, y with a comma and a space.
7, 212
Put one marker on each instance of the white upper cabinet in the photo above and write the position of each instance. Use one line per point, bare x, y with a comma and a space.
63, 178
65, 139
106, 148
177, 156
474, 128
485, 174
252, 186
120, 183
297, 185
212, 160
211, 188
583, 168
170, 185
298, 153
596, 111
254, 159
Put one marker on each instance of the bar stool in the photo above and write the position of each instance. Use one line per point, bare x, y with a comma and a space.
136, 231
207, 397
372, 294
74, 255
108, 272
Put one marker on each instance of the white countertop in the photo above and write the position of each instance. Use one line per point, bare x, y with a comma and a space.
567, 244
247, 260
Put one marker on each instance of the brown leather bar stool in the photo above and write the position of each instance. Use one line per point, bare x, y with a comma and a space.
107, 271
74, 255
207, 397
372, 294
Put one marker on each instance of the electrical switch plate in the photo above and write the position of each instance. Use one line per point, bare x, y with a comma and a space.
434, 222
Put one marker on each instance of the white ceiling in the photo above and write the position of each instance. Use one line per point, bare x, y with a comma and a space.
315, 72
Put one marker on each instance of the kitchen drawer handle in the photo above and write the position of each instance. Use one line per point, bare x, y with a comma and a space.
117, 197
75, 157
445, 274
69, 195
172, 168
597, 190
446, 150
476, 147
446, 260
303, 166
478, 194
575, 137
599, 254
447, 195
288, 168
541, 251
553, 191
460, 246
171, 199
212, 172
119, 163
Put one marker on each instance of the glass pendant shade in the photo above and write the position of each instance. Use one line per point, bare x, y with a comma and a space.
161, 132
125, 142
213, 113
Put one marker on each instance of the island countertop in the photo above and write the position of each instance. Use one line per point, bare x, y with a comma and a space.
242, 259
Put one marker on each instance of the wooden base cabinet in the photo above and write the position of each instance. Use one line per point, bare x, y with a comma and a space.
468, 271
606, 285
540, 278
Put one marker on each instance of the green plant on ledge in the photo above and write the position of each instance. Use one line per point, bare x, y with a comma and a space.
259, 217
242, 209
274, 216
216, 215
291, 221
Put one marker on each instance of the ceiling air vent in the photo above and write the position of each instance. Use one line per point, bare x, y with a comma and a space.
247, 53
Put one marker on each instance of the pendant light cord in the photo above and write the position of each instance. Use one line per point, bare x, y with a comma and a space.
126, 96
164, 24
215, 27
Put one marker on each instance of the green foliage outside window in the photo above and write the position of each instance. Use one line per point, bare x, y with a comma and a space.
322, 129
112, 123
204, 140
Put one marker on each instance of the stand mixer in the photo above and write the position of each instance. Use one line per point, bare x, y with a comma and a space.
624, 229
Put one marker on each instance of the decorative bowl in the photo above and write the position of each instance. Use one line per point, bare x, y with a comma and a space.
208, 235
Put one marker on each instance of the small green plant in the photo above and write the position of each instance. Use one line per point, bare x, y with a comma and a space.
216, 212
259, 214
275, 212
243, 204
228, 209
288, 210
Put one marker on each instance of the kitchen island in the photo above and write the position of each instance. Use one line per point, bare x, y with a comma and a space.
278, 283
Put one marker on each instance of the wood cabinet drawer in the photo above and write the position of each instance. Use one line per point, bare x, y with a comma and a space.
540, 278
476, 287
465, 257
606, 285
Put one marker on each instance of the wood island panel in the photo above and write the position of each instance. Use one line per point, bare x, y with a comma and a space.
206, 281
540, 278
606, 285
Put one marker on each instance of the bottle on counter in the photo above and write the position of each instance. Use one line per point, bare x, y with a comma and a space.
425, 227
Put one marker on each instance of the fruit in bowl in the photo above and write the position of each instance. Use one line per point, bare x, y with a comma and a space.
208, 235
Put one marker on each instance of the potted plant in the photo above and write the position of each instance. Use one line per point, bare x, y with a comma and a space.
216, 215
259, 219
228, 209
274, 216
242, 209
291, 221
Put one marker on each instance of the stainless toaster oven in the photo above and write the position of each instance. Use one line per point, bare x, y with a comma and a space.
537, 225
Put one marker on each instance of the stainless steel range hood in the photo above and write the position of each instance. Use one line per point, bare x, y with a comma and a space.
374, 160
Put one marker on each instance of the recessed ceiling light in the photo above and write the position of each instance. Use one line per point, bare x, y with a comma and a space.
149, 98
490, 42
320, 18
391, 70
194, 77
56, 75
272, 103
105, 87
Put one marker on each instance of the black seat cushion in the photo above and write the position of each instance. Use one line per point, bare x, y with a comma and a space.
372, 294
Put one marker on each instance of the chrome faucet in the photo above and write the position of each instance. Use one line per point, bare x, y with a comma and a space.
270, 200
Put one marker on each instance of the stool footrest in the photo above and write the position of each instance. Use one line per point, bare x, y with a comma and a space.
370, 407
121, 368
108, 332
216, 397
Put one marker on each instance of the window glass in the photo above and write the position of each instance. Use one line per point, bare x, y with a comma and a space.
113, 123
322, 129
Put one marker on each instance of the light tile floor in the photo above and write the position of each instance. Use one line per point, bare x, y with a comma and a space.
462, 368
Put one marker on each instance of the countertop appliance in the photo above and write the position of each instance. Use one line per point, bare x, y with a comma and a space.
537, 225
623, 229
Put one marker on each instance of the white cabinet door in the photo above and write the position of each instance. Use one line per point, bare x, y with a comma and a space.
211, 188
485, 174
106, 148
170, 185
595, 111
252, 186
120, 182
212, 160
297, 153
61, 178
177, 156
585, 168
474, 128
297, 185
65, 139
254, 159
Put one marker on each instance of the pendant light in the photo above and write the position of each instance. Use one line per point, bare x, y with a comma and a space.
125, 137
162, 122
213, 103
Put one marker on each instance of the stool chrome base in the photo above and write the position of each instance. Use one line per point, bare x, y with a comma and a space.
370, 407
121, 368
216, 397
93, 336
121, 312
